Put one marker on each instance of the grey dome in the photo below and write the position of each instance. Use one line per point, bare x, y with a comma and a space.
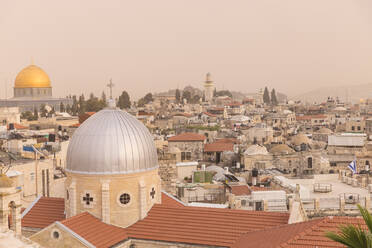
111, 142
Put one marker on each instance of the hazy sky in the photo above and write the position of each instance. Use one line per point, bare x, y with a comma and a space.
153, 45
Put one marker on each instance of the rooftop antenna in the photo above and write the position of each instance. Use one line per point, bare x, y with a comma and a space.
110, 85
32, 61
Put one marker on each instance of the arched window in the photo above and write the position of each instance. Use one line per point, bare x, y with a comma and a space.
310, 162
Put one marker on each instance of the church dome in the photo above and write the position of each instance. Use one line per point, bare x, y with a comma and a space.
111, 142
32, 77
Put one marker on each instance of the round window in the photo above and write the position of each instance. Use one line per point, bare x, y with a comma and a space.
124, 198
55, 234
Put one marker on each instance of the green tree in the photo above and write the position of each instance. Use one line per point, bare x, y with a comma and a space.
266, 96
82, 105
62, 107
43, 111
124, 100
27, 115
178, 96
274, 100
68, 108
145, 100
195, 99
103, 97
74, 107
354, 236
36, 114
93, 104
224, 93
186, 95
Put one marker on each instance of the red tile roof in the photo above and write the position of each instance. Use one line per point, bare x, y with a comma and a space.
93, 230
44, 212
240, 190
183, 114
307, 234
170, 201
75, 125
209, 114
218, 147
234, 104
256, 188
204, 226
273, 237
187, 137
228, 140
18, 126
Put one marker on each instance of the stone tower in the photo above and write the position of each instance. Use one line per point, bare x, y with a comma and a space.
10, 205
208, 88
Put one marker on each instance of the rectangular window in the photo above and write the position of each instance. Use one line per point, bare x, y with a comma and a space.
353, 128
183, 156
47, 182
359, 128
188, 155
43, 181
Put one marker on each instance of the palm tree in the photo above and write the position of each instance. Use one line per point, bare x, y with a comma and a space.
355, 236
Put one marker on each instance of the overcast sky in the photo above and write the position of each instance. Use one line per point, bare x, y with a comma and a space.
154, 45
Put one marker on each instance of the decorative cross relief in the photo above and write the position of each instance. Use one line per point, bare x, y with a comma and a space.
152, 193
87, 199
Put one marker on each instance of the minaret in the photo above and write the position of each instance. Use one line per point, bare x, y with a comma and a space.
208, 88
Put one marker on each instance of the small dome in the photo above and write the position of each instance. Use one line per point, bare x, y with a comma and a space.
256, 150
282, 148
299, 139
111, 142
32, 77
325, 130
339, 109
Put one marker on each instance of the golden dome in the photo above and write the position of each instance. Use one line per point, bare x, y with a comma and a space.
32, 77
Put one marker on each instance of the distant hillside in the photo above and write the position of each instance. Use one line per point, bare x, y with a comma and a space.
349, 93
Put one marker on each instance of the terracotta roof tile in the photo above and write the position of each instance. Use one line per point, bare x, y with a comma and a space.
44, 212
187, 137
307, 234
93, 230
240, 190
205, 226
273, 237
209, 114
170, 201
218, 147
18, 126
228, 140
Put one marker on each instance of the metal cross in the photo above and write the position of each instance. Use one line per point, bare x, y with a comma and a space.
110, 85
152, 193
87, 198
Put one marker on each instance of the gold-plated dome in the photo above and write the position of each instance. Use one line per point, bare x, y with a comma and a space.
32, 77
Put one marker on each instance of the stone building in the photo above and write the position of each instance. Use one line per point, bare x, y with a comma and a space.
257, 156
190, 144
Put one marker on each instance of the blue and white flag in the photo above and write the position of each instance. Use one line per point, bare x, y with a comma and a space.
352, 166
